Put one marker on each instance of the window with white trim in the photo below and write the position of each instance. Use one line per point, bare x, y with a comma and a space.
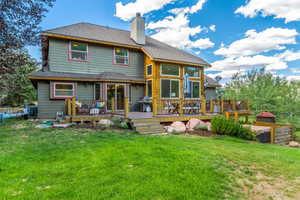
121, 56
61, 90
149, 70
78, 51
169, 88
169, 69
194, 90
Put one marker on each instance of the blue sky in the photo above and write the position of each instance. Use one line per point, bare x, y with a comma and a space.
233, 35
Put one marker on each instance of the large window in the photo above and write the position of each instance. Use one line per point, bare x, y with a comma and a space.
169, 70
121, 56
149, 88
169, 88
62, 90
192, 71
78, 51
194, 90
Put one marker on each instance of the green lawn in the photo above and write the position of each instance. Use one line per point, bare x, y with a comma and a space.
87, 164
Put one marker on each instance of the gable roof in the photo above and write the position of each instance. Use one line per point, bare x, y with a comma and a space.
210, 82
155, 49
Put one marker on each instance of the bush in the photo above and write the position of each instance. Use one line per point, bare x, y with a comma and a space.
223, 126
200, 127
123, 125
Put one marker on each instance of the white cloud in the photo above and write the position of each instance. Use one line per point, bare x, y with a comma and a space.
213, 28
176, 32
193, 9
258, 42
285, 9
128, 11
295, 70
293, 78
245, 63
290, 55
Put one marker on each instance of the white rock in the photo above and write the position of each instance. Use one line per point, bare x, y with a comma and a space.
105, 122
294, 144
177, 127
192, 123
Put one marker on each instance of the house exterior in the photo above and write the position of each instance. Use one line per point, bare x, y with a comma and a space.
92, 62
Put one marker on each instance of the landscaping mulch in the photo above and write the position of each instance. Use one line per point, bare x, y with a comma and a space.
202, 133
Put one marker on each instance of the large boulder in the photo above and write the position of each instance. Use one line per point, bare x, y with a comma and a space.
294, 144
105, 122
177, 127
193, 123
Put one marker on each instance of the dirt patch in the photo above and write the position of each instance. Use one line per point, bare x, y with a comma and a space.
263, 187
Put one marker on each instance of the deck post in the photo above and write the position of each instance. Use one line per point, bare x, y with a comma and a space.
126, 109
227, 115
154, 106
69, 107
222, 105
73, 106
113, 105
272, 135
181, 106
236, 116
211, 105
203, 103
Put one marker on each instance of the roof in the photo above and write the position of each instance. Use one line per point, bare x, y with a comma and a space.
154, 48
210, 82
266, 114
106, 76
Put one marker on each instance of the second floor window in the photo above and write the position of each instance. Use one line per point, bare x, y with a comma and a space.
78, 51
121, 56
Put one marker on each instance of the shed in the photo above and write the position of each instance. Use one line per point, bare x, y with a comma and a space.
266, 117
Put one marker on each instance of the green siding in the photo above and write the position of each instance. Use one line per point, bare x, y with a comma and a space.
210, 93
137, 92
99, 60
47, 108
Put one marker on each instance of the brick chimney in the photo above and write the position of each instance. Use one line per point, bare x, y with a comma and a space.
137, 32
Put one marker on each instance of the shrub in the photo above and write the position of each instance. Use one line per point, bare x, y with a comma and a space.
223, 126
200, 127
116, 121
123, 125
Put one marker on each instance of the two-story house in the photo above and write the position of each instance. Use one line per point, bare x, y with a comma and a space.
92, 62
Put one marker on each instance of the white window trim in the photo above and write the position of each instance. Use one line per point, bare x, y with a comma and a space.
114, 53
147, 70
170, 88
70, 51
147, 87
169, 74
54, 96
184, 71
191, 98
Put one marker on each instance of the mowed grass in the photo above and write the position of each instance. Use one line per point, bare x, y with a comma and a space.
86, 164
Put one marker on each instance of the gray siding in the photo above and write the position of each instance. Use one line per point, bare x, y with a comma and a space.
210, 93
47, 108
99, 60
137, 92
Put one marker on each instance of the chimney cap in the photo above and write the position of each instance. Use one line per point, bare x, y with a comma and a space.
138, 14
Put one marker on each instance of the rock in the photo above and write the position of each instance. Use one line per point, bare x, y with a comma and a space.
105, 122
294, 144
177, 127
208, 124
193, 123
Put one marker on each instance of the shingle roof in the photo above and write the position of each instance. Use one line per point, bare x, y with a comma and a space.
106, 76
210, 82
156, 49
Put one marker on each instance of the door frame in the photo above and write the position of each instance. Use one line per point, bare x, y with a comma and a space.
116, 98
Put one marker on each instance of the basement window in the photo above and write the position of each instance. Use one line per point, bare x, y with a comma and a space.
121, 56
78, 51
61, 90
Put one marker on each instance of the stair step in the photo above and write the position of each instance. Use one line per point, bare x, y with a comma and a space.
144, 120
152, 131
144, 123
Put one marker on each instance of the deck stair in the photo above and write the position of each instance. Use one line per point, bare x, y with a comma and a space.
147, 126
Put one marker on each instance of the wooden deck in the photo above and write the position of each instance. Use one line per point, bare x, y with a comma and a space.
149, 115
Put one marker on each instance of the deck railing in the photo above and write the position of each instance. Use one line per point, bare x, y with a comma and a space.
197, 106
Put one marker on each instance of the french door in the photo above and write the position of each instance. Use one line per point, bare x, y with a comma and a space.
117, 93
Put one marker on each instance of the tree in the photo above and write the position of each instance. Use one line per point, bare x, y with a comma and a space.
266, 92
19, 25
